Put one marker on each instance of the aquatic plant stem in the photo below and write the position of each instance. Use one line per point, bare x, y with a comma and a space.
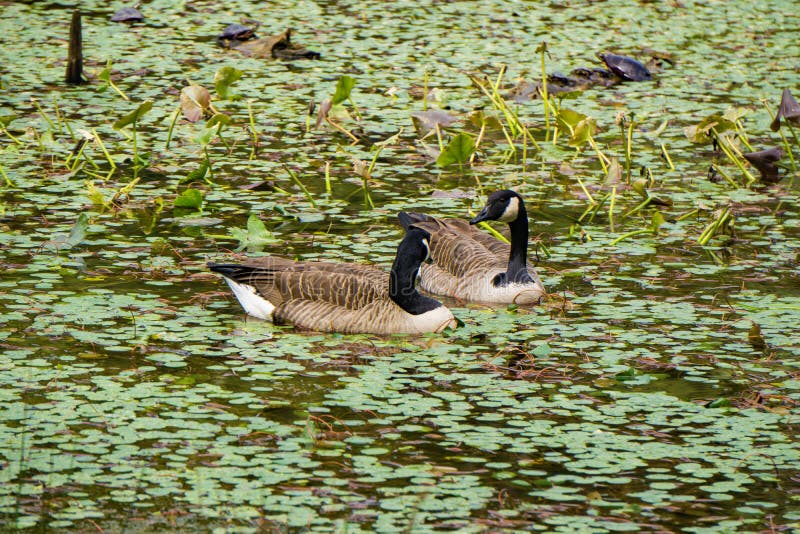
712, 228
301, 186
43, 114
135, 155
726, 148
586, 191
254, 150
515, 125
611, 208
666, 156
425, 90
688, 214
103, 148
439, 137
57, 110
328, 189
545, 95
726, 176
172, 122
14, 139
631, 234
628, 145
742, 134
604, 162
210, 171
525, 153
638, 208
342, 129
478, 141
8, 181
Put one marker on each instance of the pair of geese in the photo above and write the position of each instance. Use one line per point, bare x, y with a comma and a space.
451, 257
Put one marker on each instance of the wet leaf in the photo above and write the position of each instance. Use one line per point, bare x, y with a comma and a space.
255, 237
223, 79
656, 221
702, 132
344, 87
218, 119
458, 150
78, 232
134, 116
583, 131
190, 198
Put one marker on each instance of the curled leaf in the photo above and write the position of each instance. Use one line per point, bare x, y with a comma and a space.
584, 130
764, 161
789, 110
78, 231
322, 113
218, 118
755, 338
195, 101
425, 121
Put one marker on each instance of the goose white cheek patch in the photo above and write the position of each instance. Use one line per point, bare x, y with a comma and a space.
511, 211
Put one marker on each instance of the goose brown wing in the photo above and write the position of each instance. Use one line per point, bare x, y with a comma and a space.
460, 249
351, 290
276, 263
279, 280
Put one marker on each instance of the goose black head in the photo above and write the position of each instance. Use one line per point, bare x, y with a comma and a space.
415, 246
502, 206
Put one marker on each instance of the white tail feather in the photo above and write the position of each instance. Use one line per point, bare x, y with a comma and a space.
253, 303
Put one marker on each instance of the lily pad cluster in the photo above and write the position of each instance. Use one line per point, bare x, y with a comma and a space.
656, 389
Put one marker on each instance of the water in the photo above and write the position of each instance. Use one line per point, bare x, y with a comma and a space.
639, 397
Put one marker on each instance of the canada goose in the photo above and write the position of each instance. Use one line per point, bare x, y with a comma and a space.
340, 297
471, 265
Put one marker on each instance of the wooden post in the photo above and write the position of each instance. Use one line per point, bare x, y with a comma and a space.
75, 56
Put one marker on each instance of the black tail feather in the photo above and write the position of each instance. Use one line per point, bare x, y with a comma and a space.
230, 270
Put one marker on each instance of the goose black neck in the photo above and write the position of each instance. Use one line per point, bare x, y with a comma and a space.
518, 259
402, 284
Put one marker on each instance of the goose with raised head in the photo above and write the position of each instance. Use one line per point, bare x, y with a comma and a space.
471, 265
340, 297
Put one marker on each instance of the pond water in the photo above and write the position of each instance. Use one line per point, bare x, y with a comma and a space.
656, 389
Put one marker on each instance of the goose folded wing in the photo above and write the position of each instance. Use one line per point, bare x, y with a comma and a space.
348, 290
378, 317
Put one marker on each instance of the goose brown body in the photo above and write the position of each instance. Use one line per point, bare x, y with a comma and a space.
335, 297
471, 265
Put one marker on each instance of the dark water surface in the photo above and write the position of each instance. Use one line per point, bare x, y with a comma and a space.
656, 390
